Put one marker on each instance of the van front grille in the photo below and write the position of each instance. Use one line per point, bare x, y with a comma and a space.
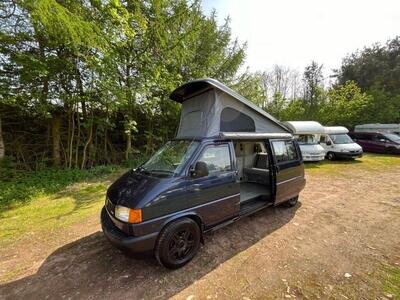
110, 206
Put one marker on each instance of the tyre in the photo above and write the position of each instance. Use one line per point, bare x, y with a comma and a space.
331, 156
291, 202
390, 150
178, 243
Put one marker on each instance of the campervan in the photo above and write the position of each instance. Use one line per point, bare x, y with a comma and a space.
308, 134
229, 159
381, 128
338, 144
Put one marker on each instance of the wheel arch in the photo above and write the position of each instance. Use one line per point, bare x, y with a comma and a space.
190, 215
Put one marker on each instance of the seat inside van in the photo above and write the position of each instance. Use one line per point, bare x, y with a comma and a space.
253, 168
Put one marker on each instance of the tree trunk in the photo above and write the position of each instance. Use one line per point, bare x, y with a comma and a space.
78, 138
89, 140
72, 134
128, 145
2, 147
55, 130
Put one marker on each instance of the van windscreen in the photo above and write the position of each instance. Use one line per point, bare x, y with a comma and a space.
307, 139
393, 137
170, 159
341, 138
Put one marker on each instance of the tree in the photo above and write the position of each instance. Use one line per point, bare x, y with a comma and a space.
249, 85
346, 105
313, 88
376, 70
2, 149
294, 111
282, 80
92, 78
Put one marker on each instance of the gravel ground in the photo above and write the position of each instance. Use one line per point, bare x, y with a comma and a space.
333, 244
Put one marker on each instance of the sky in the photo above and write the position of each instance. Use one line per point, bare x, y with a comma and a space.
295, 32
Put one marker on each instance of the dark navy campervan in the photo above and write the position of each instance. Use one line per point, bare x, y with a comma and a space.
229, 159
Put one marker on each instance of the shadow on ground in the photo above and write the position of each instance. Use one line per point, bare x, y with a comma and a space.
90, 267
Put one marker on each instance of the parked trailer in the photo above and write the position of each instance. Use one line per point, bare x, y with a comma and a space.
308, 134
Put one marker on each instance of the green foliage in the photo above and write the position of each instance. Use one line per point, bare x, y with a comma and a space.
294, 111
345, 105
249, 85
106, 69
23, 186
376, 70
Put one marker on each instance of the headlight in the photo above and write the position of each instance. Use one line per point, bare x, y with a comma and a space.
129, 215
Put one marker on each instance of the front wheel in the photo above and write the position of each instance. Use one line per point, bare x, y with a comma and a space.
178, 243
331, 156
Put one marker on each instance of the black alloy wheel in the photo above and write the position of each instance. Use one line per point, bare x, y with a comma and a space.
178, 243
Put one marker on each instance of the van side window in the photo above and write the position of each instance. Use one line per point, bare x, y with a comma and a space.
284, 151
217, 158
323, 139
379, 138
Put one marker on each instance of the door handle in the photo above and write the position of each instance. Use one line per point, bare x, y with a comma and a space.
195, 188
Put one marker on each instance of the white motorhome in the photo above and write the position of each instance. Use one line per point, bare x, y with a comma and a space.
308, 134
381, 128
338, 144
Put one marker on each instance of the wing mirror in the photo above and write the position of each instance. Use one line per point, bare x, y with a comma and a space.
199, 170
329, 143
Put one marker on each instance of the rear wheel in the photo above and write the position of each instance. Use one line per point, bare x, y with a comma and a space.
390, 150
178, 243
331, 156
291, 202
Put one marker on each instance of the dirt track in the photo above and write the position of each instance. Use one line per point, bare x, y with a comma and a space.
345, 223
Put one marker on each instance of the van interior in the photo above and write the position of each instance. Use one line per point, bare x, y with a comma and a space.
254, 173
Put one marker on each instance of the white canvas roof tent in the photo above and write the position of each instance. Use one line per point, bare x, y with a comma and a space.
211, 109
305, 127
336, 130
385, 128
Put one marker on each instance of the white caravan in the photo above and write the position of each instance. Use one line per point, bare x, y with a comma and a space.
338, 144
381, 128
308, 134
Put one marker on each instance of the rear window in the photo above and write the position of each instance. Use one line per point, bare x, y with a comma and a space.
285, 151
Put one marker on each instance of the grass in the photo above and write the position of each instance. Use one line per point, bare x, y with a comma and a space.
369, 162
47, 213
391, 280
21, 187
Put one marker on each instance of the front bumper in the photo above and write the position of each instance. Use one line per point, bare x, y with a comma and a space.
348, 155
313, 157
135, 244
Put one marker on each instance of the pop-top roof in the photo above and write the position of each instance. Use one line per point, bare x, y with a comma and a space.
210, 107
336, 129
305, 127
